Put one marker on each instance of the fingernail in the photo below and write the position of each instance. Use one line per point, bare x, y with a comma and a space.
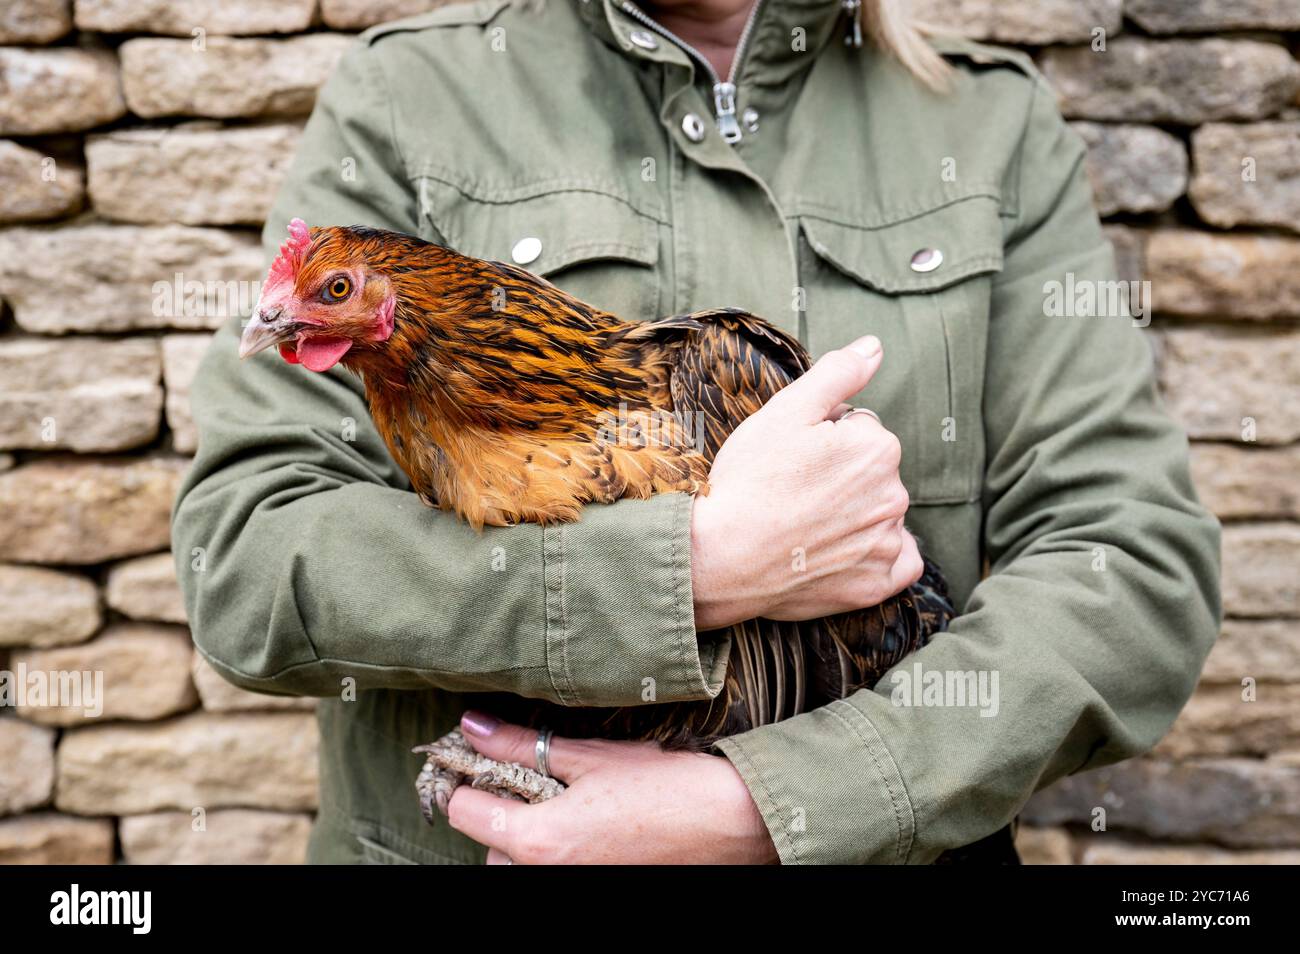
479, 723
868, 347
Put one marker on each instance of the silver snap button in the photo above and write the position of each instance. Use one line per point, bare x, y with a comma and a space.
927, 260
526, 250
750, 118
643, 39
693, 126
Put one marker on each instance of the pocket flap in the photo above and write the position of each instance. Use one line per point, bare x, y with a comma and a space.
570, 226
967, 234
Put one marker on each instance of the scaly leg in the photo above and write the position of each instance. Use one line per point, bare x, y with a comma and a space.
450, 762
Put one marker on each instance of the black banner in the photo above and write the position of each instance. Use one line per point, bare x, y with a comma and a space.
228, 904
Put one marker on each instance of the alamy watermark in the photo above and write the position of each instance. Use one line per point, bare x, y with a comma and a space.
183, 297
1088, 298
650, 428
53, 689
946, 689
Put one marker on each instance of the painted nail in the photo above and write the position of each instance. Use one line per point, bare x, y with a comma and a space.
479, 723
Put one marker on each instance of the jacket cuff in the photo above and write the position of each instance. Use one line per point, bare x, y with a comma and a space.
620, 613
864, 816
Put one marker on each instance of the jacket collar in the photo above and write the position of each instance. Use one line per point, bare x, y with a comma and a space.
784, 38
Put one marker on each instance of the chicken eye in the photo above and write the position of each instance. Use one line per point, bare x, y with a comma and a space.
338, 289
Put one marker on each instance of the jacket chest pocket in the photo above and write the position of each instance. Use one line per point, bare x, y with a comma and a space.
590, 242
922, 286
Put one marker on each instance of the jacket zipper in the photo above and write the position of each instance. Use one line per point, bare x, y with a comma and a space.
853, 10
724, 91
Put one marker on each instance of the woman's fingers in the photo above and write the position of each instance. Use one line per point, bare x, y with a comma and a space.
909, 566
488, 819
504, 742
835, 378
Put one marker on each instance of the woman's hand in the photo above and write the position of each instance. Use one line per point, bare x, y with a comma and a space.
627, 803
804, 516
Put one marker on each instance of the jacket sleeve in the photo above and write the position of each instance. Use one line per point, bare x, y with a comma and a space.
305, 559
1101, 600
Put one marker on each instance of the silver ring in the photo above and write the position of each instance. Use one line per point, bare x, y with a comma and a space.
859, 410
543, 750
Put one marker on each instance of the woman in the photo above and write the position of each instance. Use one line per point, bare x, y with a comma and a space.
656, 160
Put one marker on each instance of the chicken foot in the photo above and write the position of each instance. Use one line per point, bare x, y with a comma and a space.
451, 762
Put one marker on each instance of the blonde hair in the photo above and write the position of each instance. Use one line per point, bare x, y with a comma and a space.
890, 26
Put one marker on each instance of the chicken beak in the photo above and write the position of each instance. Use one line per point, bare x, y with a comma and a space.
261, 332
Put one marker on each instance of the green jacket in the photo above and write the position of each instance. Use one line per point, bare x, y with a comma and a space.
1045, 479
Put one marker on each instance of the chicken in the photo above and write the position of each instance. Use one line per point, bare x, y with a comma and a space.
506, 399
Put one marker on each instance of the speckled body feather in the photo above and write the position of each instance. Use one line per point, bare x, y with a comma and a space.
506, 399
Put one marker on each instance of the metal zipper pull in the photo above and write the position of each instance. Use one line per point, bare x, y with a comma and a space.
853, 34
724, 104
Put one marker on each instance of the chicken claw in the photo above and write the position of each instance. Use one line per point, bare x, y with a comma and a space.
451, 762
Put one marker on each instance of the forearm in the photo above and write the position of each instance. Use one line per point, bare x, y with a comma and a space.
305, 561
1102, 597
318, 563
1080, 668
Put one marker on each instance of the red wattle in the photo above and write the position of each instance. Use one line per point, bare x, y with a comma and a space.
288, 353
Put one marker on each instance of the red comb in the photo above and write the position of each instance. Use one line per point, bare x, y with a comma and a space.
292, 254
